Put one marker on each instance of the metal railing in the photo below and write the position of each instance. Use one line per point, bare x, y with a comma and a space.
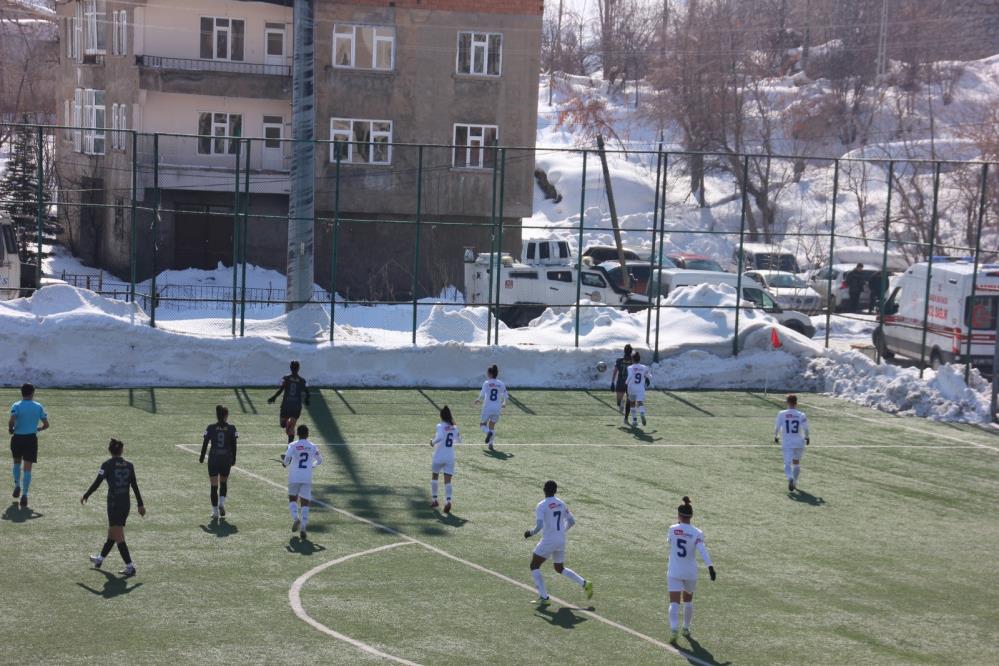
224, 66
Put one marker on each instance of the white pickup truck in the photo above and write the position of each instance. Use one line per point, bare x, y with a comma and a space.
10, 261
545, 277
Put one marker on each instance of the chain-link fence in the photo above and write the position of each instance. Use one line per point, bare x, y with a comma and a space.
195, 228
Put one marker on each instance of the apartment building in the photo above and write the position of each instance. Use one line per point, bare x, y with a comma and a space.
389, 74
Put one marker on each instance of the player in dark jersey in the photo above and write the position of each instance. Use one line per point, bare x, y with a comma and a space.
120, 475
619, 380
222, 436
295, 391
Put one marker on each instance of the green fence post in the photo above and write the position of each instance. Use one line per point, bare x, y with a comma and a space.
235, 235
40, 202
978, 250
662, 241
499, 241
655, 230
831, 302
336, 229
156, 228
132, 242
742, 239
242, 251
579, 249
884, 264
493, 273
416, 252
929, 268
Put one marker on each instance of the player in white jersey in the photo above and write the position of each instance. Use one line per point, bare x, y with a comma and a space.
445, 438
791, 431
639, 378
553, 519
492, 397
300, 458
681, 573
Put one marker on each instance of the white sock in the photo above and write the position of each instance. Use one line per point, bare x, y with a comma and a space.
796, 471
483, 428
641, 410
573, 576
787, 470
221, 500
293, 507
433, 488
305, 516
539, 583
674, 615
688, 613
447, 491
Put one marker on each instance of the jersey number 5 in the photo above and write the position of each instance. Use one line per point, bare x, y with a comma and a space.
681, 548
303, 458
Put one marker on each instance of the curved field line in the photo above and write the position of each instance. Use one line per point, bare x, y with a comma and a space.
478, 567
295, 599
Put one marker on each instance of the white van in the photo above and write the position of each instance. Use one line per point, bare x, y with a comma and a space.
870, 257
10, 261
954, 315
668, 279
765, 257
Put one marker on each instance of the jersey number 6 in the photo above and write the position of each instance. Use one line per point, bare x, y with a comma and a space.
449, 441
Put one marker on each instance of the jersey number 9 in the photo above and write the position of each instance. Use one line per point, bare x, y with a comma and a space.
303, 458
638, 378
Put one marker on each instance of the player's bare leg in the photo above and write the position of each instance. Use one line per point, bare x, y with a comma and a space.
575, 578
433, 490
98, 560
620, 402
289, 428
293, 507
539, 581
223, 488
17, 477
447, 493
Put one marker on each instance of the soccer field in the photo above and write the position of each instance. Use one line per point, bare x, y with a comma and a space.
886, 555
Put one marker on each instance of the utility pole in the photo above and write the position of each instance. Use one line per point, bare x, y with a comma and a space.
302, 201
807, 42
881, 66
556, 54
625, 279
662, 39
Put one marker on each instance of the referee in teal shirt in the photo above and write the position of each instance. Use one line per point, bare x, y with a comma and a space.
25, 415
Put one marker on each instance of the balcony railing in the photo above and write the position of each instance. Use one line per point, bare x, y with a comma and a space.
227, 66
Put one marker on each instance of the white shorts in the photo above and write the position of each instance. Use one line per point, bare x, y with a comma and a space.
442, 467
300, 490
637, 395
687, 585
794, 453
493, 416
551, 550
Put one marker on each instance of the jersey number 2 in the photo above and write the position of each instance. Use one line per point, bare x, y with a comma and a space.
681, 548
303, 458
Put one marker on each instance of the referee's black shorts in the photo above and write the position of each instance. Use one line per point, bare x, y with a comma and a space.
24, 447
118, 514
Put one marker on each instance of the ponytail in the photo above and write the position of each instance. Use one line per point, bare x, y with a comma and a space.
685, 509
493, 371
446, 415
116, 447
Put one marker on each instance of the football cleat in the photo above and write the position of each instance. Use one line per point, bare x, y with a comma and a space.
295, 525
489, 438
302, 536
674, 636
97, 561
215, 512
447, 507
17, 492
434, 504
643, 419
790, 485
128, 571
221, 510
542, 601
588, 589
24, 501
686, 631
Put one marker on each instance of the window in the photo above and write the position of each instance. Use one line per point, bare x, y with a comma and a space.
221, 38
77, 119
119, 123
361, 141
67, 120
473, 146
593, 280
96, 23
980, 312
94, 121
77, 24
119, 32
119, 217
560, 276
480, 53
524, 275
216, 132
363, 47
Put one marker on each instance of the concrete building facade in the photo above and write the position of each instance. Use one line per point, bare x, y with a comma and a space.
391, 74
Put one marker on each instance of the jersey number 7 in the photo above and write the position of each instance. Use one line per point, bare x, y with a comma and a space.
558, 520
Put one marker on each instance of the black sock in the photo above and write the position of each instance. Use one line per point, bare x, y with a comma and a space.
108, 545
215, 495
291, 438
123, 549
223, 487
627, 409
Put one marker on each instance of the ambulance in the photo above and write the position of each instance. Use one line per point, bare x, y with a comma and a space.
955, 314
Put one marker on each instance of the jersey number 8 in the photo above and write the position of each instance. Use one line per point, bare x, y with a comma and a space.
493, 394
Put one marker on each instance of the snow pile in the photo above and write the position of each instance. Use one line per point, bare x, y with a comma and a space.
941, 395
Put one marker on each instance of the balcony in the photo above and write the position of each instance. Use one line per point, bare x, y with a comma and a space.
225, 78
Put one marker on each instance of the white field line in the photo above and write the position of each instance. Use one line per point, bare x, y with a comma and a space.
515, 445
919, 431
637, 634
295, 599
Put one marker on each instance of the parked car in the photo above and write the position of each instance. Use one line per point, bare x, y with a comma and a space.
820, 281
955, 315
871, 258
765, 256
694, 262
665, 280
790, 290
638, 273
598, 254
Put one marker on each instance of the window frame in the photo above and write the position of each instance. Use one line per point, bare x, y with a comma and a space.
119, 32
95, 121
483, 148
376, 38
227, 139
216, 30
95, 23
336, 135
473, 45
